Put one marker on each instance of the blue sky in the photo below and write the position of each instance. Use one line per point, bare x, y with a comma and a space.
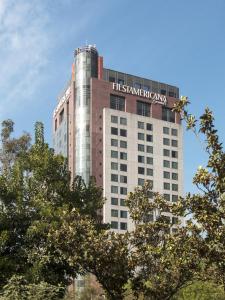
173, 41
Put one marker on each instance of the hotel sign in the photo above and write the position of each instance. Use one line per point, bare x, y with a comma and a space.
155, 97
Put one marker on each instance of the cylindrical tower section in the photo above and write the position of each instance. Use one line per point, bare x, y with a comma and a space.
86, 66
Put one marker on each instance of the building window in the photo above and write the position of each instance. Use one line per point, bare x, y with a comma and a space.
122, 202
61, 116
117, 102
141, 125
149, 149
123, 167
141, 159
143, 109
114, 177
114, 143
114, 189
123, 214
166, 197
114, 225
174, 187
174, 165
141, 170
174, 132
112, 79
166, 130
114, 166
121, 81
166, 152
166, 141
174, 154
114, 213
55, 124
123, 121
114, 130
114, 201
123, 155
114, 119
174, 198
149, 138
174, 220
123, 226
123, 132
171, 94
146, 88
166, 186
149, 160
141, 148
174, 176
123, 144
167, 114
166, 175
149, 172
137, 85
123, 179
114, 154
174, 143
123, 191
141, 181
141, 136
149, 126
163, 92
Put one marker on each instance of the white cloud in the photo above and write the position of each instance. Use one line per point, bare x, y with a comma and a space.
24, 48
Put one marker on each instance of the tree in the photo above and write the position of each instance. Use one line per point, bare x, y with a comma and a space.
208, 206
35, 190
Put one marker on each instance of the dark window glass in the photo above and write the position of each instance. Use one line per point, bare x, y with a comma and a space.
174, 132
141, 170
149, 160
114, 154
174, 154
114, 142
171, 94
166, 152
174, 176
174, 187
166, 130
163, 92
123, 179
143, 109
174, 143
141, 125
137, 85
149, 138
114, 189
114, 225
123, 226
141, 159
141, 181
122, 202
114, 166
114, 177
123, 144
123, 155
174, 220
141, 148
61, 116
114, 130
149, 126
114, 119
141, 136
174, 198
121, 81
111, 79
149, 149
166, 141
123, 132
146, 88
117, 102
166, 186
174, 165
166, 175
114, 201
167, 114
149, 172
123, 167
166, 164
123, 191
123, 121
123, 214
114, 213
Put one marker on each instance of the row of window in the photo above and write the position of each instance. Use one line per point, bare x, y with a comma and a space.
115, 154
169, 175
147, 137
168, 142
115, 190
115, 213
142, 108
115, 225
115, 131
116, 143
141, 181
123, 121
143, 171
142, 125
166, 130
116, 166
143, 148
169, 197
172, 164
147, 160
172, 153
167, 186
115, 201
115, 178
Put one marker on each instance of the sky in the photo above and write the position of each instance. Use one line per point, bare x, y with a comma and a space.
178, 42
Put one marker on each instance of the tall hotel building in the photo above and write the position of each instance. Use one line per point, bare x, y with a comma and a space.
120, 129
